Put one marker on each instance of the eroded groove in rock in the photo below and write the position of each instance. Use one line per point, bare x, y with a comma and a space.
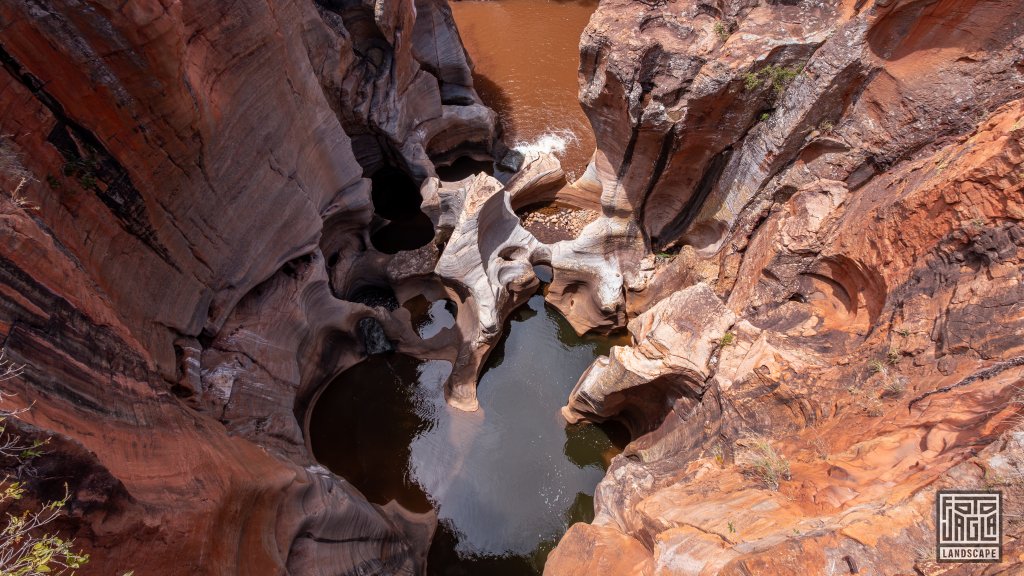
804, 212
193, 213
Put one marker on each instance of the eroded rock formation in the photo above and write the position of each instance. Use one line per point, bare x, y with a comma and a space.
845, 179
184, 208
809, 219
674, 343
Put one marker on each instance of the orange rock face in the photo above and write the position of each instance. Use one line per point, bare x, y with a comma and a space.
810, 222
846, 177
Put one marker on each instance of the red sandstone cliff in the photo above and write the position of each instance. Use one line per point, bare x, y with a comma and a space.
840, 187
837, 186
162, 276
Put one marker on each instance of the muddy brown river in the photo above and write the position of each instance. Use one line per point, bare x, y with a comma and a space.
526, 58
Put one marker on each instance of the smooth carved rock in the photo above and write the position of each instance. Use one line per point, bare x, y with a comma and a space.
197, 205
409, 95
488, 267
664, 134
586, 550
675, 341
593, 272
536, 181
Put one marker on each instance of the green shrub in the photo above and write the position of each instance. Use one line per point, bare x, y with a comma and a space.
26, 549
722, 31
876, 367
774, 76
894, 388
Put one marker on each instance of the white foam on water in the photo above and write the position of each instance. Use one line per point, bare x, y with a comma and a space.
552, 142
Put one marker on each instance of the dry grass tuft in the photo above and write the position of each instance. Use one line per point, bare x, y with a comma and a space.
765, 464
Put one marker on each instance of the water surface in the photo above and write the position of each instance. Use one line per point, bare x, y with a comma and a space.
507, 480
526, 59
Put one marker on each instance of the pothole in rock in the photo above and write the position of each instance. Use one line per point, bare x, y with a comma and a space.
544, 272
557, 222
375, 341
396, 198
506, 481
375, 297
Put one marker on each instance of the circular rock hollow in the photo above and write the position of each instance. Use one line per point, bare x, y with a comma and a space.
429, 318
556, 222
399, 223
507, 480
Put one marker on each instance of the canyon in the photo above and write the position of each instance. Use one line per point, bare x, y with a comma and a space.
791, 270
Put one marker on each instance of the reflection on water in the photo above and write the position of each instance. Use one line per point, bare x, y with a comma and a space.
429, 318
507, 480
526, 59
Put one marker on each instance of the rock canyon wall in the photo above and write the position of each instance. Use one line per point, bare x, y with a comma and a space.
184, 217
807, 214
832, 327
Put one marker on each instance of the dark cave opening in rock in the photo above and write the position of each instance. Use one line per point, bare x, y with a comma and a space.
396, 199
464, 167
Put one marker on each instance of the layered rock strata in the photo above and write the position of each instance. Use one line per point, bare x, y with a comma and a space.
844, 179
809, 221
184, 219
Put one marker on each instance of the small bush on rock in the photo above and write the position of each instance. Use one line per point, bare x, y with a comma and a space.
765, 464
26, 548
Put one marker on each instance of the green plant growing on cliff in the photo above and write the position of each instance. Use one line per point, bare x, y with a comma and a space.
894, 388
722, 31
11, 167
894, 356
718, 455
25, 552
776, 77
19, 199
727, 339
765, 464
26, 548
751, 81
781, 77
84, 170
874, 408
